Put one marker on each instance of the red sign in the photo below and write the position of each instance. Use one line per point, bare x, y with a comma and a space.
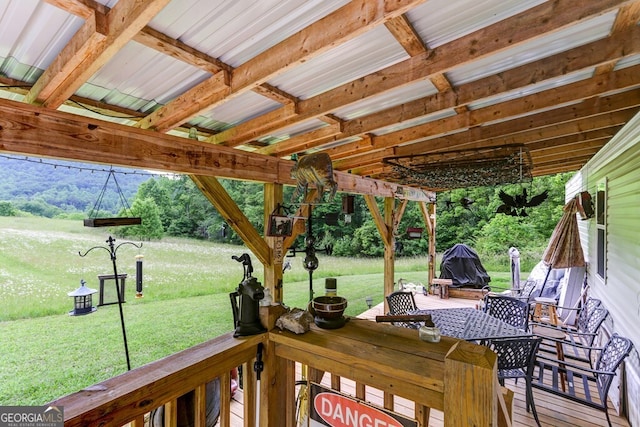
330, 408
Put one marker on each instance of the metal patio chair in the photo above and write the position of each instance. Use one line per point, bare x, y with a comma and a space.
401, 303
508, 309
578, 341
516, 359
588, 386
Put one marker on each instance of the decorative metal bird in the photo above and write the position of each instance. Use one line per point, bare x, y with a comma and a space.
466, 202
516, 205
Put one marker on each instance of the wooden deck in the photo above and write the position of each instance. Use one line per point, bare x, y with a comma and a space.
552, 411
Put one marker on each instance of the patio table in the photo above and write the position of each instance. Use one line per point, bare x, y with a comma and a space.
470, 324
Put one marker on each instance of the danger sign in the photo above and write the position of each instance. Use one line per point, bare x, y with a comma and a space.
329, 408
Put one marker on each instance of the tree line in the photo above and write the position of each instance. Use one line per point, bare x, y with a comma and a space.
176, 207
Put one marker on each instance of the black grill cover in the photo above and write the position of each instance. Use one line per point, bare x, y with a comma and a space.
462, 265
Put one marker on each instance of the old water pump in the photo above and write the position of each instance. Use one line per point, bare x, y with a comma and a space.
245, 301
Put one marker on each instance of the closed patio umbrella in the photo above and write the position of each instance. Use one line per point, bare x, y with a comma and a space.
564, 249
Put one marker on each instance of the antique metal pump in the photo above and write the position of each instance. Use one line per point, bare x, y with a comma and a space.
245, 301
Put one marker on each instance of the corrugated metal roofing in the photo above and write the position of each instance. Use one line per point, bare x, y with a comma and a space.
441, 21
407, 93
542, 47
235, 31
32, 33
143, 78
356, 58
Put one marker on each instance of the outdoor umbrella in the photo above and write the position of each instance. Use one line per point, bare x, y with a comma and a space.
564, 249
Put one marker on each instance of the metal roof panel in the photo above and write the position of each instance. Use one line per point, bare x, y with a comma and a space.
441, 21
235, 31
416, 90
356, 58
541, 47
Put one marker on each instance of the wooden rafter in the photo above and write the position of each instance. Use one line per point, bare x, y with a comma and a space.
433, 63
347, 22
98, 40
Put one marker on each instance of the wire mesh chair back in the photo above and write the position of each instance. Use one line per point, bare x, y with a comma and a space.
526, 290
401, 303
594, 322
510, 310
612, 355
515, 355
516, 359
588, 319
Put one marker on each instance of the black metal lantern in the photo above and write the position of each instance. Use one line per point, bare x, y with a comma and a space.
82, 301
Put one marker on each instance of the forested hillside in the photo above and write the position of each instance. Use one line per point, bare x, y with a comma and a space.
174, 206
49, 187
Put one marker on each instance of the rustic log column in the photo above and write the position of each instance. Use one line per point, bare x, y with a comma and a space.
385, 228
389, 248
273, 271
429, 215
470, 386
277, 390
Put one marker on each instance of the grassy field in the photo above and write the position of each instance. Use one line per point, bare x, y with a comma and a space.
46, 353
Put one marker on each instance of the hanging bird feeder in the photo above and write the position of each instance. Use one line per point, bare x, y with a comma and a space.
414, 232
93, 221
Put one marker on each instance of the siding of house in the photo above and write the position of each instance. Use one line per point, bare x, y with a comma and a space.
619, 163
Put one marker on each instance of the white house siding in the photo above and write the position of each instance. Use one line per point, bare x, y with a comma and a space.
619, 163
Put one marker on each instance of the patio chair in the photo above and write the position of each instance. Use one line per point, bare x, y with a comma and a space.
578, 342
524, 291
508, 309
516, 358
401, 303
583, 380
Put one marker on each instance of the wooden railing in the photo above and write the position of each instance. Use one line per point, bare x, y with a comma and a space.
127, 398
455, 377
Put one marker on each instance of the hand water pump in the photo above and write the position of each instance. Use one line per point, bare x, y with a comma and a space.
245, 301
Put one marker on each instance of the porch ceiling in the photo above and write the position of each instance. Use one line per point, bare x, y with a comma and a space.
363, 80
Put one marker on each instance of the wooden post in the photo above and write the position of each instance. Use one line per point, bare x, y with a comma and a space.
470, 386
384, 226
429, 216
277, 390
389, 247
273, 270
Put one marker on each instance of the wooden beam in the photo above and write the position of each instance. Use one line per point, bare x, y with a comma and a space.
176, 49
32, 130
275, 117
351, 20
82, 8
229, 210
90, 48
596, 86
302, 142
529, 24
406, 35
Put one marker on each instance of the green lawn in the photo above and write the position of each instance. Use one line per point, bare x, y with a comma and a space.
46, 353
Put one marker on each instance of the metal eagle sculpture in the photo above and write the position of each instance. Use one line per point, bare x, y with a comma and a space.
516, 205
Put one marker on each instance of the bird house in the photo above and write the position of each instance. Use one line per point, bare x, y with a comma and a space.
82, 300
414, 232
